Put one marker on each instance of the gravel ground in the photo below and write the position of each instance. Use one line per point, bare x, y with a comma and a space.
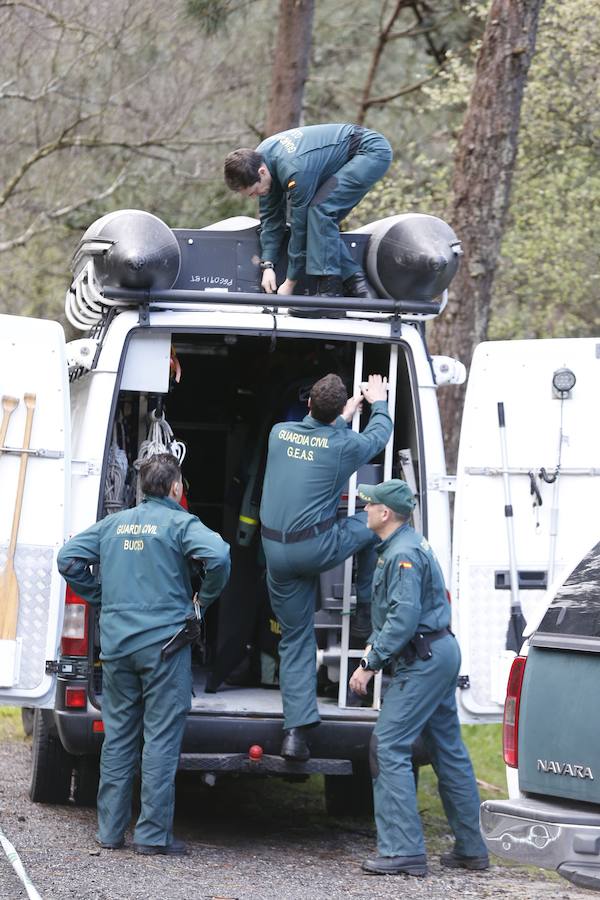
248, 840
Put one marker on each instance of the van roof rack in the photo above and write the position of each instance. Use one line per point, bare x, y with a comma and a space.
131, 258
274, 301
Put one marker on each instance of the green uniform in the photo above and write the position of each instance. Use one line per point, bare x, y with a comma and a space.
409, 597
145, 594
308, 465
320, 173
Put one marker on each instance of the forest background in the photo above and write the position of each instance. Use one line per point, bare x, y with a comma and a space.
109, 104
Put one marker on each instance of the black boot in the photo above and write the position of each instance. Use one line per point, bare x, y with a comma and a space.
395, 865
294, 744
357, 286
329, 286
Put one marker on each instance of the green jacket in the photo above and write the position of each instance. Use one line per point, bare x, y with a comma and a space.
299, 161
409, 594
309, 463
145, 589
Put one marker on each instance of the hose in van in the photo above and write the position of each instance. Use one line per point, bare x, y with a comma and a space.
14, 860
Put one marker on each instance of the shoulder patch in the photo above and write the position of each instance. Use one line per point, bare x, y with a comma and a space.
404, 564
291, 184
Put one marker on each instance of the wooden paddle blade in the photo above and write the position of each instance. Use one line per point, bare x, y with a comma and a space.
9, 602
9, 404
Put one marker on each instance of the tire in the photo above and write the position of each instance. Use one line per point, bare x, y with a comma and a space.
51, 765
350, 795
85, 783
27, 719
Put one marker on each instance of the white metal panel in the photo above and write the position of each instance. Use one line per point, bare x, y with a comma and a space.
32, 360
540, 430
147, 362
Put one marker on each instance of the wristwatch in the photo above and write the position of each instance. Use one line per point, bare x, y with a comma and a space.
266, 264
364, 664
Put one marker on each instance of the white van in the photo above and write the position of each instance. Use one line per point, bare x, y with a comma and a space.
175, 332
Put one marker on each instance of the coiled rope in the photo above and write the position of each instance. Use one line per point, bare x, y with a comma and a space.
160, 439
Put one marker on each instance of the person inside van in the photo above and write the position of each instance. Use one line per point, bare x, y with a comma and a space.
322, 172
308, 465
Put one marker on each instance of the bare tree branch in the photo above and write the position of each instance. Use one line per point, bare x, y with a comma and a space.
409, 89
44, 221
385, 37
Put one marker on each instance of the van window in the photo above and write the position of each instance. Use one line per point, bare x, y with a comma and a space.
575, 610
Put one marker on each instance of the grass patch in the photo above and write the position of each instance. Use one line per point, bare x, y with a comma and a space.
11, 728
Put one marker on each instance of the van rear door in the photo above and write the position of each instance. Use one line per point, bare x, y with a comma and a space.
34, 490
545, 392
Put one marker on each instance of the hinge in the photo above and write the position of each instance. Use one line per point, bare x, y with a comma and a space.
144, 314
85, 467
463, 682
62, 667
442, 483
396, 326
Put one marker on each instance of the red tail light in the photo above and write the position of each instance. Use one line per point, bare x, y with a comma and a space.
75, 698
510, 730
74, 641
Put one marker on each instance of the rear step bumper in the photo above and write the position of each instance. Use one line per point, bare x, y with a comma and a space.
266, 765
549, 835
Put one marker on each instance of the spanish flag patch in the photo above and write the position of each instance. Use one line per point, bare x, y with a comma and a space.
291, 184
405, 565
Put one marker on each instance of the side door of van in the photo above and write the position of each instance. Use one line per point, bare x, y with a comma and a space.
35, 471
527, 494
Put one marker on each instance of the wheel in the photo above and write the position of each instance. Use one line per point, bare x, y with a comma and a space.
27, 719
85, 783
51, 766
350, 795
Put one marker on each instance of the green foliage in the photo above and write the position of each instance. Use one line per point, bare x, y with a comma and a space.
548, 283
213, 15
194, 84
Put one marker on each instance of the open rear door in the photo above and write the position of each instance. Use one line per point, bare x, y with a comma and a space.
34, 490
529, 444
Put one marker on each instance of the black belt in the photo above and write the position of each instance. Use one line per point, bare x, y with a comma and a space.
356, 136
419, 644
294, 537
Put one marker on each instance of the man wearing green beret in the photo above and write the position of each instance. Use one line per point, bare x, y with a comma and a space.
411, 637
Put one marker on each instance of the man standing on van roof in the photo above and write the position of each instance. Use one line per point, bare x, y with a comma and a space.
145, 595
323, 171
308, 464
411, 635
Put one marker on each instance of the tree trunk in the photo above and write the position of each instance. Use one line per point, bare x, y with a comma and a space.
290, 65
483, 169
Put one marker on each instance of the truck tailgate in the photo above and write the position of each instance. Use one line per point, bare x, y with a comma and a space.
559, 724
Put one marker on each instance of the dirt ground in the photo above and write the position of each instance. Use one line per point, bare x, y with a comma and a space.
249, 839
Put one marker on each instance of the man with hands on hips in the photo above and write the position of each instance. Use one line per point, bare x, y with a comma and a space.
410, 617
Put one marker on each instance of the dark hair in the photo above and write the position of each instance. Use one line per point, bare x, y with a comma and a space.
328, 397
241, 168
158, 473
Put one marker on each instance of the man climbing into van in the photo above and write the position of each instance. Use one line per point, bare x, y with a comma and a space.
308, 465
323, 171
